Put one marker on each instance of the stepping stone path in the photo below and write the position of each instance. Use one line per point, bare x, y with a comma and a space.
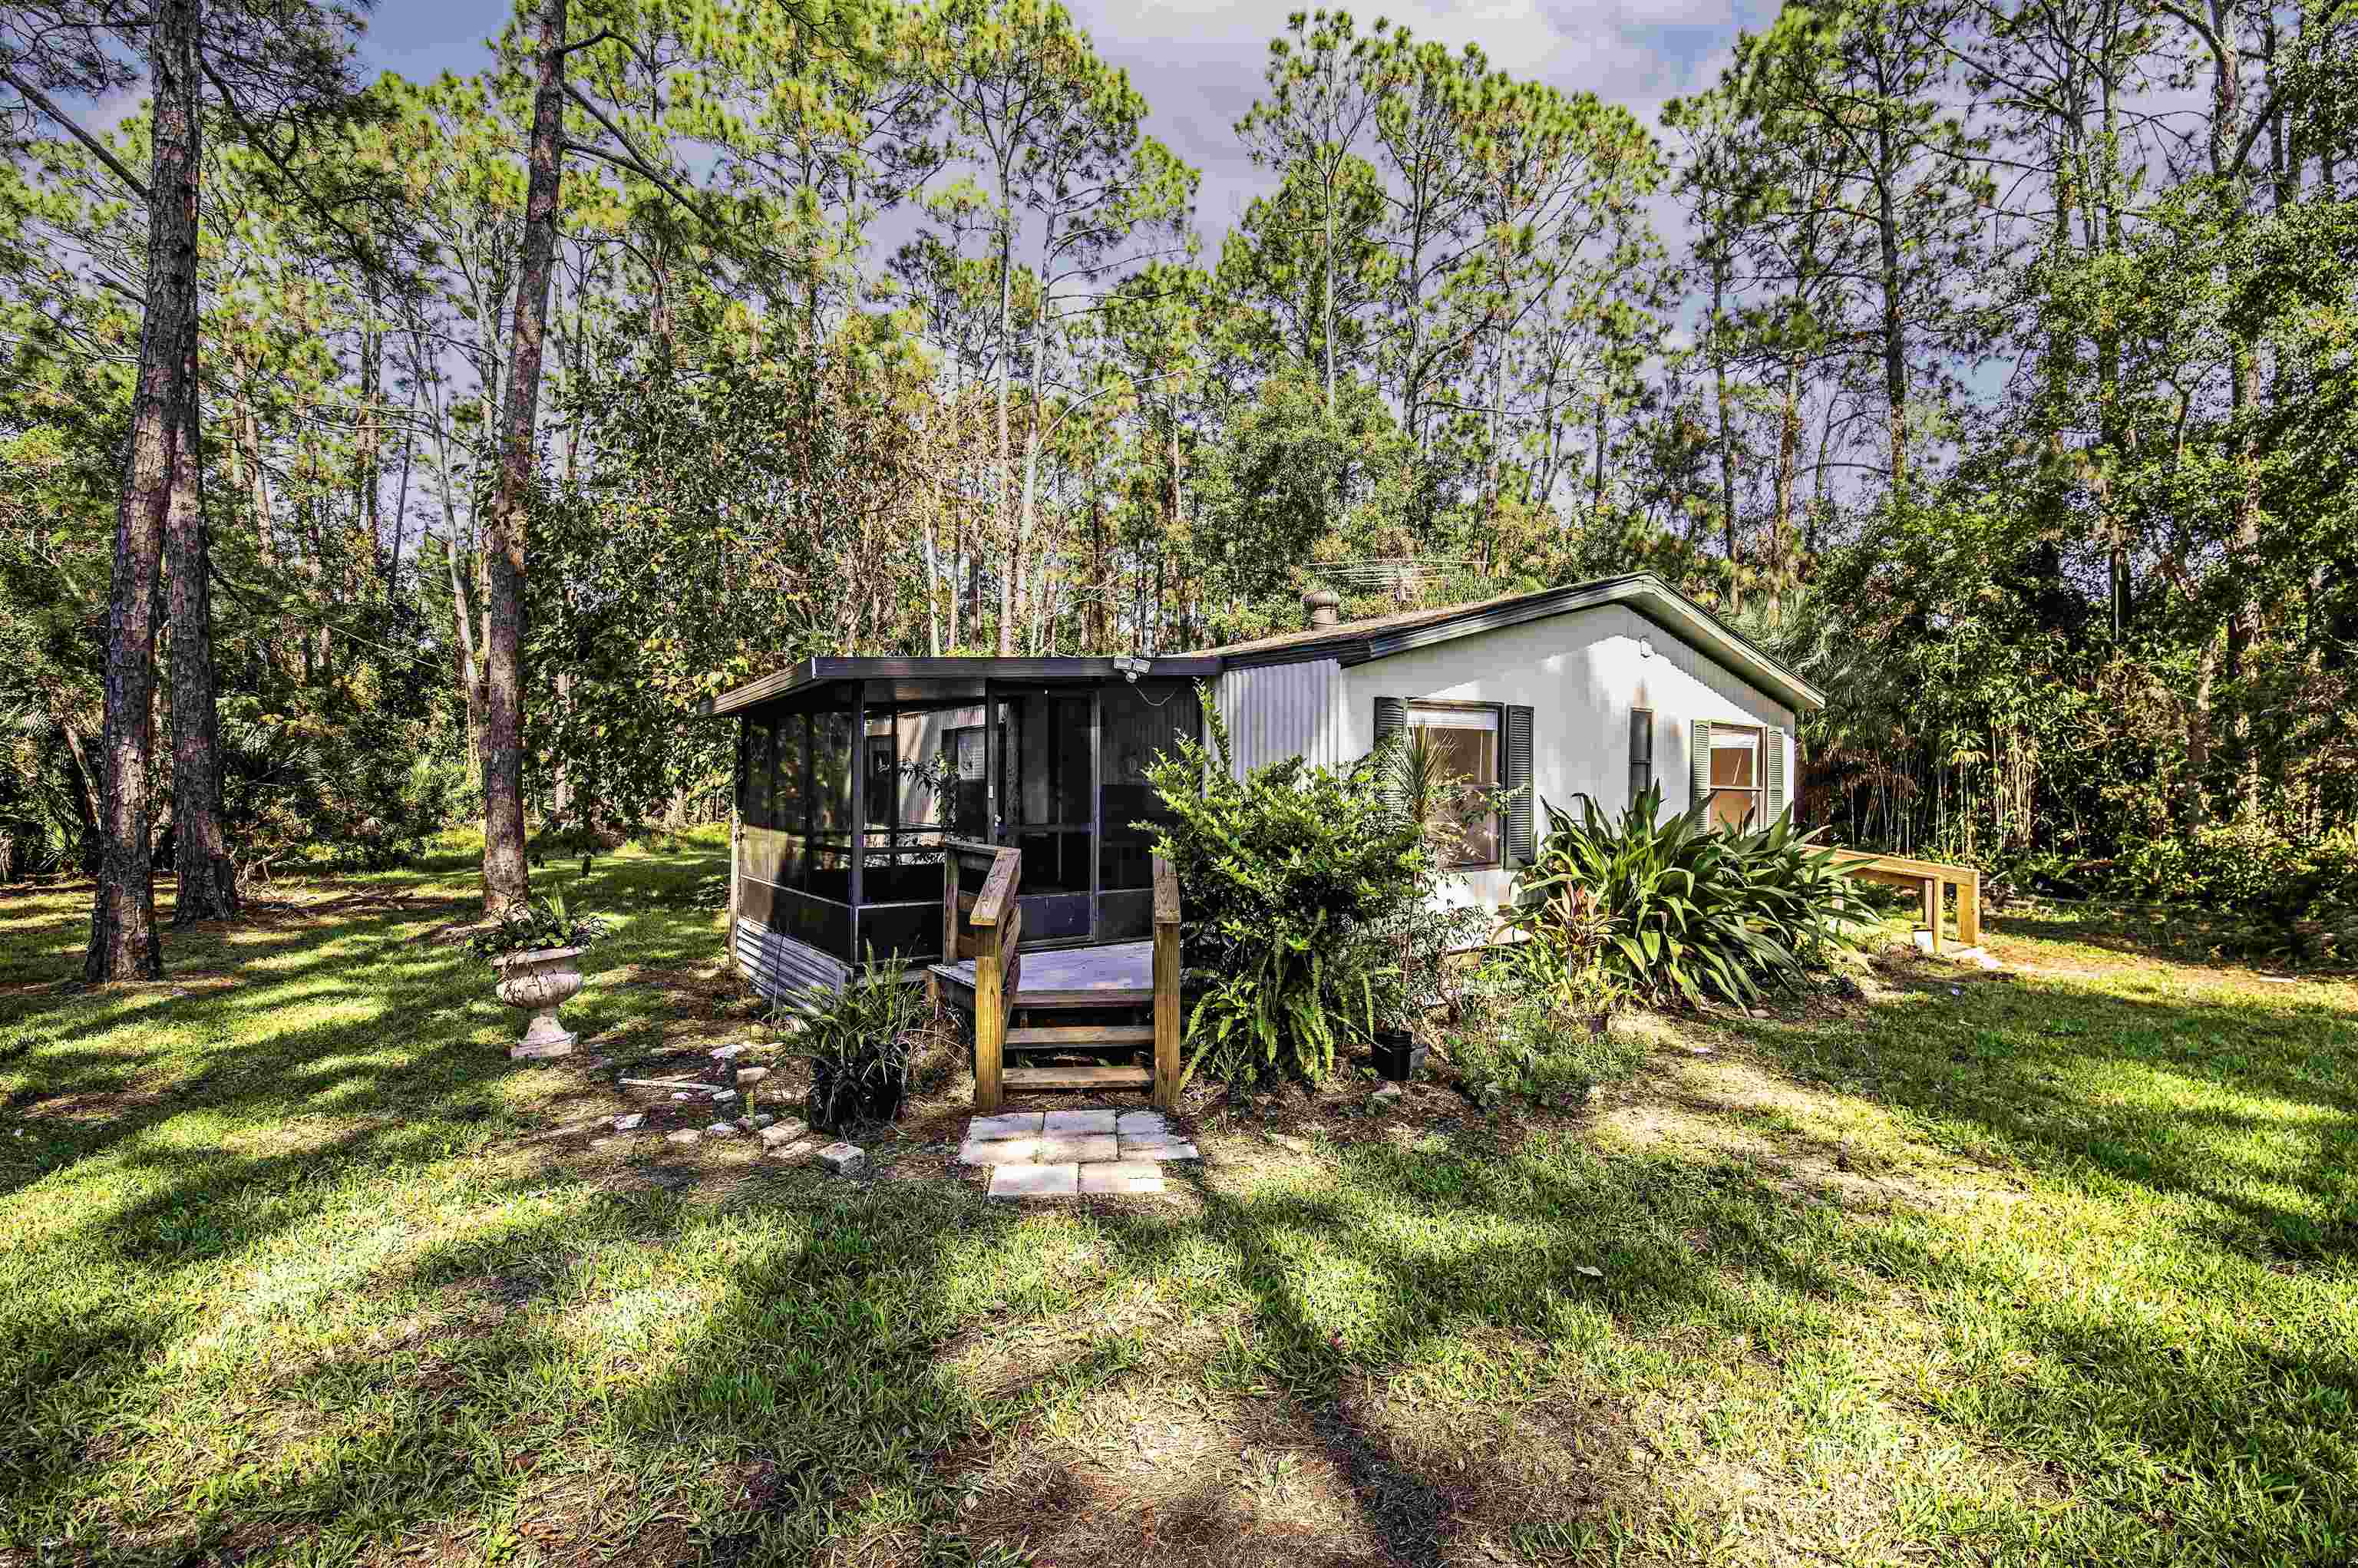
1064, 1153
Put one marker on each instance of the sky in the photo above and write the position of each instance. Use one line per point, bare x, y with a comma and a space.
1199, 63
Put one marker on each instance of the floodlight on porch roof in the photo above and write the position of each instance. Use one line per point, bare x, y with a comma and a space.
1132, 666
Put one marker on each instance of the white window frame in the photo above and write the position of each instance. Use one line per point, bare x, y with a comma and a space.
1488, 716
1757, 739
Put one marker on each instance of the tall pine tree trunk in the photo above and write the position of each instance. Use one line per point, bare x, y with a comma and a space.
1726, 428
506, 878
1895, 335
1004, 487
124, 942
207, 887
1789, 451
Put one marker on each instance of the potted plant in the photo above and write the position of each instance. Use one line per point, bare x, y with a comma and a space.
535, 948
857, 1040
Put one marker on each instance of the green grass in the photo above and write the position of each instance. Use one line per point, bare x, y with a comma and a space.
2049, 1267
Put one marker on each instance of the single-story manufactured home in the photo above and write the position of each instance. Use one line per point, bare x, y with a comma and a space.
853, 773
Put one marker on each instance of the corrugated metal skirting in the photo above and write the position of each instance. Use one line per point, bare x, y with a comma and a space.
1274, 711
777, 964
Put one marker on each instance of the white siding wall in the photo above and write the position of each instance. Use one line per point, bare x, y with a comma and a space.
1276, 712
1581, 673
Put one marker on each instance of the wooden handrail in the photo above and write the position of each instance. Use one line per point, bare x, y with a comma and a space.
995, 916
990, 903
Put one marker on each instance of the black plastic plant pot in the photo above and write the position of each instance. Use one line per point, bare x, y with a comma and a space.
1399, 1056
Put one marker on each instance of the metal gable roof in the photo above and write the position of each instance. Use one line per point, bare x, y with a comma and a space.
1350, 643
1356, 642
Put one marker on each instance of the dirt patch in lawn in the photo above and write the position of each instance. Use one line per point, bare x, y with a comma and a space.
1505, 1469
1164, 1473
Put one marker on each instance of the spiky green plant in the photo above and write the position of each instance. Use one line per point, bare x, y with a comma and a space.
1691, 910
857, 1037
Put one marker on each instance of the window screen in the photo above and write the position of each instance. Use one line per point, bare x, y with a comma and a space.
1467, 742
1736, 779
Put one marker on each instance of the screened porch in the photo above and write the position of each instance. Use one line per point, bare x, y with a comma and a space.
847, 788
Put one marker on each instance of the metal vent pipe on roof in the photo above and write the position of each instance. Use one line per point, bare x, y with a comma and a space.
1320, 609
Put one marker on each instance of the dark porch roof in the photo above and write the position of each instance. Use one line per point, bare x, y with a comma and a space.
812, 672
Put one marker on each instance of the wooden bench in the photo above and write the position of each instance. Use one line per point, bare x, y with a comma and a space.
1928, 878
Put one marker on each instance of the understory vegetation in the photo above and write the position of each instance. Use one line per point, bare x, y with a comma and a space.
2049, 1266
1293, 877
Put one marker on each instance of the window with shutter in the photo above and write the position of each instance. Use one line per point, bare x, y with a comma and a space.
1737, 775
1391, 724
1776, 770
1467, 736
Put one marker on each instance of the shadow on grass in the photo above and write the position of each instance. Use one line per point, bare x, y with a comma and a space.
767, 1378
2058, 1076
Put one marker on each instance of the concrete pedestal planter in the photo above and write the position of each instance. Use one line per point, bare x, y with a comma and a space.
541, 982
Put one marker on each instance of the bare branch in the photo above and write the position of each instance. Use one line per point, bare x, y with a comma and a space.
97, 148
630, 158
599, 37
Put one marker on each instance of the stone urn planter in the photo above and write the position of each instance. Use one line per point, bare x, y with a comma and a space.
541, 980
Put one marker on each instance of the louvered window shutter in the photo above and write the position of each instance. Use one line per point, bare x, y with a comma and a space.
1392, 725
1522, 840
1774, 774
1699, 763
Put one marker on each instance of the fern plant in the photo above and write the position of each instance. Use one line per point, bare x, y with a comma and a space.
542, 924
1286, 877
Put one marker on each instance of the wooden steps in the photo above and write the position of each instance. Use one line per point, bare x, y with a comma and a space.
1017, 1080
1118, 999
1081, 1036
1104, 997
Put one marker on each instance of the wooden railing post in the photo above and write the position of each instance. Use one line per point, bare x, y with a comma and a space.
989, 1040
1166, 984
998, 922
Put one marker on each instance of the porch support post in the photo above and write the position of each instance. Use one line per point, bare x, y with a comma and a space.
736, 846
858, 763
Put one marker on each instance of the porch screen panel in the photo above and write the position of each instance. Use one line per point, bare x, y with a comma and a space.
1141, 723
1048, 788
789, 793
754, 804
832, 757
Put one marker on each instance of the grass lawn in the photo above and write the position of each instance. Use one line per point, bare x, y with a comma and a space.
2051, 1266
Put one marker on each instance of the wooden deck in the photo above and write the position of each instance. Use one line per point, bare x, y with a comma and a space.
1117, 974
